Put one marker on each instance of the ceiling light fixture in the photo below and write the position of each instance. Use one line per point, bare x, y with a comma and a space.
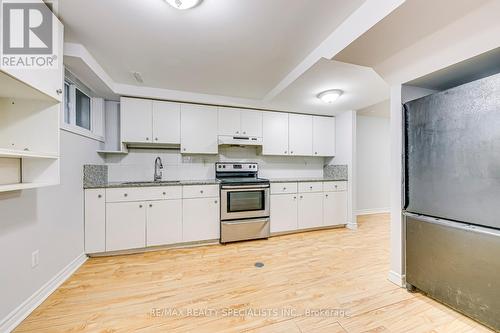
183, 4
330, 96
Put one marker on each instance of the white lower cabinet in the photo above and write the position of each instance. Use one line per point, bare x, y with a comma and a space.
200, 219
95, 221
310, 211
125, 225
163, 222
334, 208
283, 212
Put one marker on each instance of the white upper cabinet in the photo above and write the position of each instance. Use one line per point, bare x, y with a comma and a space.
229, 121
275, 133
239, 122
199, 129
45, 80
300, 135
323, 136
251, 123
166, 122
136, 120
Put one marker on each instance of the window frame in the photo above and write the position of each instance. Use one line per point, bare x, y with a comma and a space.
71, 126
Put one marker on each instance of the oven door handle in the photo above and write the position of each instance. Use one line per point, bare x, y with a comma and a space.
244, 187
249, 221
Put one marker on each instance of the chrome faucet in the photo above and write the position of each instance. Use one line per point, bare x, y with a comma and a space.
158, 167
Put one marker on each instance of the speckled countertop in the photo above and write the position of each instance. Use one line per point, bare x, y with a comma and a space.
302, 180
149, 184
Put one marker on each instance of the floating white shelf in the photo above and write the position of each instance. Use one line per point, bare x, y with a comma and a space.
26, 154
23, 186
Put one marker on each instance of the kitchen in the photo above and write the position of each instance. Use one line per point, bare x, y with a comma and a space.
180, 180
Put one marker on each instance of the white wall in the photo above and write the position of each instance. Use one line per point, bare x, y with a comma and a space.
138, 165
373, 164
345, 153
49, 220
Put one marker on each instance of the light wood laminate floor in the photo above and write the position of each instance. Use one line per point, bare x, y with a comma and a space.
218, 289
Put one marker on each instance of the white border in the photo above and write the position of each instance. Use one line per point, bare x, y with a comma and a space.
373, 211
13, 319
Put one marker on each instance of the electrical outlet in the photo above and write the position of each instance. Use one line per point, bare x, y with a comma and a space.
35, 256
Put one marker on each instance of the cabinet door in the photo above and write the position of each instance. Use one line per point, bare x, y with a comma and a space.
166, 122
164, 222
323, 136
283, 212
310, 210
229, 121
275, 133
125, 225
49, 81
136, 120
198, 129
95, 221
200, 219
334, 208
251, 123
300, 135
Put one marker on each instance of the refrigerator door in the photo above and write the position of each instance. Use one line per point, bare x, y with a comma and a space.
452, 153
456, 264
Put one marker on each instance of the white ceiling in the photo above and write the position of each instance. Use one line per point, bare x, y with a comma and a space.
362, 87
420, 29
239, 48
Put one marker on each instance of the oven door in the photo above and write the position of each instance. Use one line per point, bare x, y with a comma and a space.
244, 201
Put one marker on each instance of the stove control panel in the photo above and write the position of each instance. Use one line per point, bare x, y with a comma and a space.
236, 167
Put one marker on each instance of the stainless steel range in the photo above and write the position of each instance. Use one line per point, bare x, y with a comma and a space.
244, 202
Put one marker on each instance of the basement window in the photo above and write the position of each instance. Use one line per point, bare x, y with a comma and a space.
83, 111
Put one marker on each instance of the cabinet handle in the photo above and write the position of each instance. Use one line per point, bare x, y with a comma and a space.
125, 194
315, 153
294, 198
301, 197
284, 188
326, 195
59, 91
150, 205
244, 132
140, 206
291, 152
156, 139
215, 201
310, 187
164, 193
147, 139
201, 191
285, 151
99, 196
336, 186
183, 149
237, 132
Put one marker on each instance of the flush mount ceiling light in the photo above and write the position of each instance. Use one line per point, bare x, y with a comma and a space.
183, 4
330, 96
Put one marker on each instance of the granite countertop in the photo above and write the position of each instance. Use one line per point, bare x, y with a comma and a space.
301, 180
151, 183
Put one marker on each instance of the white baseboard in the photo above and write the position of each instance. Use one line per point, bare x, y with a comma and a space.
373, 211
13, 319
352, 226
397, 279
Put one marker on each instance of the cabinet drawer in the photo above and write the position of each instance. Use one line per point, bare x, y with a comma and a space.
164, 192
283, 188
335, 186
200, 191
125, 194
310, 187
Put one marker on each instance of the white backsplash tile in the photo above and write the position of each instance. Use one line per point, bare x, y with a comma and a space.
138, 164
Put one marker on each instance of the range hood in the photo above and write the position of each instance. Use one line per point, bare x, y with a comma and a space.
240, 140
